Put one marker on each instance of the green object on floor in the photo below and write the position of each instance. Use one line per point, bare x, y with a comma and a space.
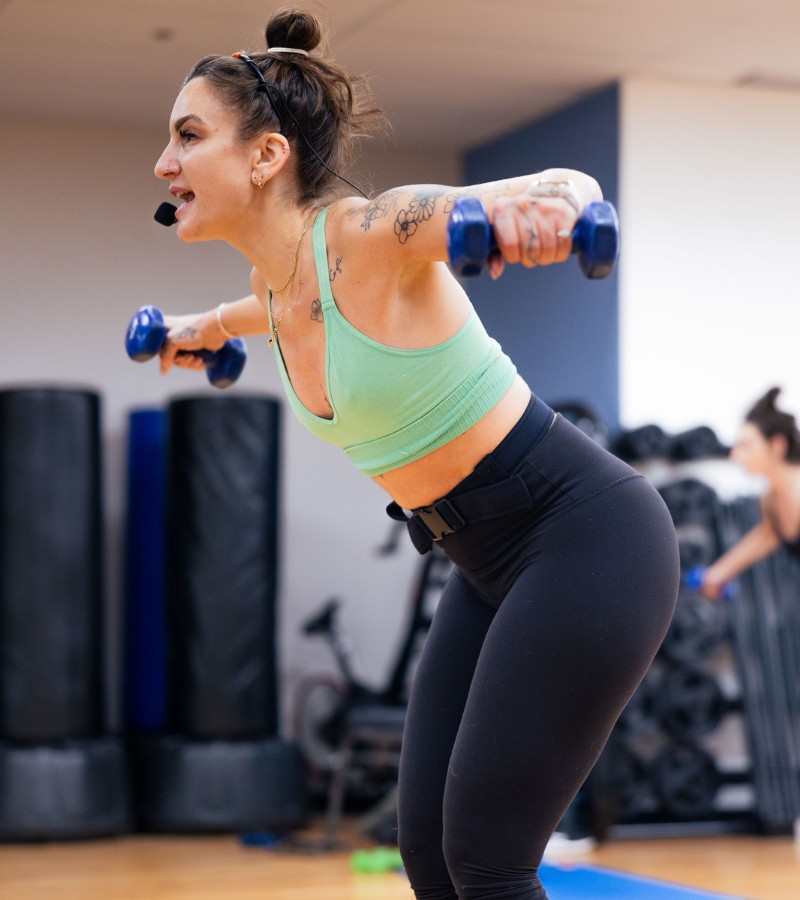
377, 861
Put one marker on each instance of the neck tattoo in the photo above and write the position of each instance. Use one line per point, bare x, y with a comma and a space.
289, 283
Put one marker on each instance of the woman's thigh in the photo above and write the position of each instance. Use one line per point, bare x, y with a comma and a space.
569, 644
442, 681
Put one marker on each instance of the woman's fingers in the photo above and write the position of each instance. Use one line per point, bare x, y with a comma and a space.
534, 231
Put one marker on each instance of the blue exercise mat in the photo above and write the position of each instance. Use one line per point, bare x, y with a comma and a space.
582, 882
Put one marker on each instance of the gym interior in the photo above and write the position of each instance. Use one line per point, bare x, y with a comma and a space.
188, 713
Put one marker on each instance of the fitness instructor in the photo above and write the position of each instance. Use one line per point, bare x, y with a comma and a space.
768, 445
566, 560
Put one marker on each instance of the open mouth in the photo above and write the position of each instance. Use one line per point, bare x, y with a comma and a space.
186, 197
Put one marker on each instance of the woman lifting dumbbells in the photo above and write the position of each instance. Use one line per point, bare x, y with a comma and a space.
768, 445
566, 564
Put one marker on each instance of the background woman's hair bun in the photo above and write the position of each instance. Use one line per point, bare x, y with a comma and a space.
295, 28
766, 403
770, 421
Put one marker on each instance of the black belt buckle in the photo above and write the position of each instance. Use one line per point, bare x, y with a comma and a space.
440, 519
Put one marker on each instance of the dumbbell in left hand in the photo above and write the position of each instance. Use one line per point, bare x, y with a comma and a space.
471, 240
146, 335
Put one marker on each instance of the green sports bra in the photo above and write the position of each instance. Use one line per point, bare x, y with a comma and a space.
390, 406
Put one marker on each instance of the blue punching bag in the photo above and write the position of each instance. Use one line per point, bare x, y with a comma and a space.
145, 572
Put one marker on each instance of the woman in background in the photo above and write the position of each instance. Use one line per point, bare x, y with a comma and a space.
768, 445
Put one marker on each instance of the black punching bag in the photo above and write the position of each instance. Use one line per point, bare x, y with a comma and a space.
50, 564
61, 777
219, 764
222, 510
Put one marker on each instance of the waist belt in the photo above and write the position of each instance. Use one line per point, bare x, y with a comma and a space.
450, 514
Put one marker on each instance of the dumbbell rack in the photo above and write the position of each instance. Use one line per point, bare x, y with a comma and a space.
765, 627
678, 761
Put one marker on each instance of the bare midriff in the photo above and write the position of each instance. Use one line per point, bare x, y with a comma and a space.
428, 479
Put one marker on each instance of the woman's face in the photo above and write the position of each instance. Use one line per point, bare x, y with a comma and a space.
755, 453
206, 164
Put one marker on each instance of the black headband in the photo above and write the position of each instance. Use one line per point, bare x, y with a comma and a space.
263, 85
267, 88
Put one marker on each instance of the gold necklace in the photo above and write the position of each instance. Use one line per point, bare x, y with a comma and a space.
290, 280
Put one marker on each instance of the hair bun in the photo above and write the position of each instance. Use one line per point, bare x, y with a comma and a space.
295, 28
767, 401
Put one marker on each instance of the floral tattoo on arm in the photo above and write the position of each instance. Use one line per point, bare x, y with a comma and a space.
381, 206
422, 206
419, 210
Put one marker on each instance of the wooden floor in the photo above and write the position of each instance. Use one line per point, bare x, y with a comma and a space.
221, 868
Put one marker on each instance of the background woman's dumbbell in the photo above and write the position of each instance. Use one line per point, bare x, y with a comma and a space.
146, 335
693, 580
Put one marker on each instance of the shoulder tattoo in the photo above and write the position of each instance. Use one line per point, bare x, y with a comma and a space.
382, 205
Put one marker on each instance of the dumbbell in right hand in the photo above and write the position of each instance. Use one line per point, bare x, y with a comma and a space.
693, 580
146, 335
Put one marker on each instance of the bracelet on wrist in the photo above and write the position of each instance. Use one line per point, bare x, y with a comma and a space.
222, 328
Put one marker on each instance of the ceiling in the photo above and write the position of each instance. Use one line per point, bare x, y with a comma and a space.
450, 73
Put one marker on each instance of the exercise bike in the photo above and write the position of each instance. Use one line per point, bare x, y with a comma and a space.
324, 701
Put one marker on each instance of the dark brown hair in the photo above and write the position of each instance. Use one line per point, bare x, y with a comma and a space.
771, 421
311, 100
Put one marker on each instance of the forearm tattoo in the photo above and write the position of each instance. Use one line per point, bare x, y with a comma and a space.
187, 333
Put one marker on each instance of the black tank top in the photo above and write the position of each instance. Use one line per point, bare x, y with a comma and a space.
793, 547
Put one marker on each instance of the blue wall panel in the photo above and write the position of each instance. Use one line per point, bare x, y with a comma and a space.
560, 328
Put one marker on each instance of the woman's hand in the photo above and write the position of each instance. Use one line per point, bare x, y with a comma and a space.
186, 334
712, 586
532, 230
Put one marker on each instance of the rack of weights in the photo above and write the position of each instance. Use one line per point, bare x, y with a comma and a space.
681, 759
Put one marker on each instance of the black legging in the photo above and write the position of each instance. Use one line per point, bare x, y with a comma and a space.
548, 623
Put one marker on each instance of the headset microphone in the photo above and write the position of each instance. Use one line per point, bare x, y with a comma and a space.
165, 214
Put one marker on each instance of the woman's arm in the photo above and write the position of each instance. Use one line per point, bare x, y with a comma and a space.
757, 544
409, 224
210, 330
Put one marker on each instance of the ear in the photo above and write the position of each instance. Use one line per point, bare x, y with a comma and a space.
270, 155
779, 445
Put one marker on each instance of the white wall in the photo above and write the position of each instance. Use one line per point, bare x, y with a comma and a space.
709, 305
79, 253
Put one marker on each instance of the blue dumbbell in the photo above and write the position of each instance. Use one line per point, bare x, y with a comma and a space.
147, 333
470, 238
693, 580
